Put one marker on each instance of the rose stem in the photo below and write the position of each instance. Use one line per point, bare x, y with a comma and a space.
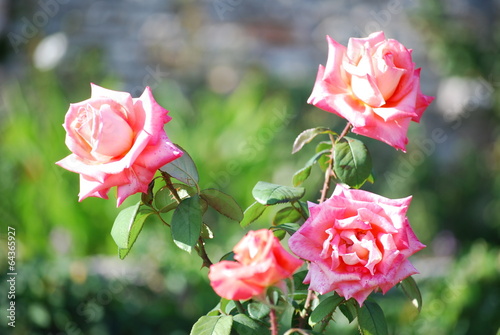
328, 172
239, 306
171, 187
324, 191
345, 131
274, 322
200, 247
305, 312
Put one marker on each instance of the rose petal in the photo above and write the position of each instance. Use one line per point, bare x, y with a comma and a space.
113, 136
374, 85
390, 132
224, 279
356, 242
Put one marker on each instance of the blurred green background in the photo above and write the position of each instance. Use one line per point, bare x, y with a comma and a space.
235, 76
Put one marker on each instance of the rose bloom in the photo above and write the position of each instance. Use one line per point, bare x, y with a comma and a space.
116, 140
374, 85
261, 262
357, 242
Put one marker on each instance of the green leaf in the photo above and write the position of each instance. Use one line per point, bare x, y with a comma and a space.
206, 232
324, 160
215, 311
258, 310
307, 136
272, 194
245, 325
223, 203
323, 312
371, 319
300, 176
184, 190
279, 233
183, 169
186, 223
410, 288
127, 226
123, 224
371, 178
224, 304
228, 257
298, 280
290, 228
252, 213
213, 325
304, 208
286, 215
349, 310
352, 162
163, 198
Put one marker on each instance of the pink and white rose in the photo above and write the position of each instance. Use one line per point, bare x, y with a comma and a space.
116, 140
356, 242
373, 83
261, 262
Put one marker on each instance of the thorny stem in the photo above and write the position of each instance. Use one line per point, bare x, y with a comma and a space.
324, 192
329, 171
305, 312
326, 184
171, 187
274, 322
326, 319
200, 248
344, 132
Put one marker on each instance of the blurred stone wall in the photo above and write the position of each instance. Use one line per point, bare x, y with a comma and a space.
141, 41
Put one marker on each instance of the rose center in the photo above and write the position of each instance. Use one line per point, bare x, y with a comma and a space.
105, 131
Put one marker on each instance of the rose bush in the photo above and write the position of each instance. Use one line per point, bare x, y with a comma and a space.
116, 140
356, 242
261, 262
373, 84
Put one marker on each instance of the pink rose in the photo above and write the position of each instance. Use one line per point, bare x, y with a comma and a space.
261, 262
116, 141
373, 84
356, 242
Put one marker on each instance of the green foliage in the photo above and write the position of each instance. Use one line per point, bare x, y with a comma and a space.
300, 176
183, 169
186, 223
252, 213
411, 290
164, 200
245, 325
371, 319
257, 310
349, 309
272, 194
352, 162
286, 215
223, 203
323, 312
127, 226
307, 136
213, 325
